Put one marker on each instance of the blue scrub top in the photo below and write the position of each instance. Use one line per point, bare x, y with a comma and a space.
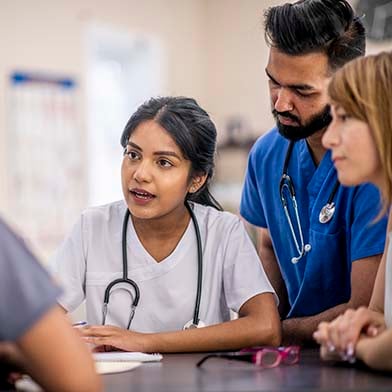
322, 278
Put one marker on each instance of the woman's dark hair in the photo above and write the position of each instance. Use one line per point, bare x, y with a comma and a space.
308, 26
193, 131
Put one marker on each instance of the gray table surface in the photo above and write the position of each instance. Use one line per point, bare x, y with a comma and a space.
178, 372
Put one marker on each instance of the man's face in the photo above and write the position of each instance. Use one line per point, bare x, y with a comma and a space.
298, 90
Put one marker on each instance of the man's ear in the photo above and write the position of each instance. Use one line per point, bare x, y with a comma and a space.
197, 182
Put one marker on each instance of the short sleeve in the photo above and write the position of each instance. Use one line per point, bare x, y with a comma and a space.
68, 266
367, 235
26, 290
244, 276
251, 207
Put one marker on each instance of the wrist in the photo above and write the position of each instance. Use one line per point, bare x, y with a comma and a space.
146, 342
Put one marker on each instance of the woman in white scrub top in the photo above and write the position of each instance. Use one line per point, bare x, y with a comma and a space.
169, 148
360, 137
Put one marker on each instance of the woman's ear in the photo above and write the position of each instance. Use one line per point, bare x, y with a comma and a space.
197, 182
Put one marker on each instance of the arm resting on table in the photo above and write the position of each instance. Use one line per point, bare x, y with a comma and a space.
300, 330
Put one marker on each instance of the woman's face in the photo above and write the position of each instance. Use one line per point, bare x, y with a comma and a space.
354, 152
155, 175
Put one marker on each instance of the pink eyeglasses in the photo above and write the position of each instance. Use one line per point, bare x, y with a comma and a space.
266, 357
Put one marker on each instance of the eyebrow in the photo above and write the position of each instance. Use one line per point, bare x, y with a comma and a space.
168, 153
292, 86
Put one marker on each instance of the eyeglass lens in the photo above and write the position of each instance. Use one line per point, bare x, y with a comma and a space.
290, 355
268, 358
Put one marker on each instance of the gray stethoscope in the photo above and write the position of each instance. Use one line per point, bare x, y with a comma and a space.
195, 322
326, 213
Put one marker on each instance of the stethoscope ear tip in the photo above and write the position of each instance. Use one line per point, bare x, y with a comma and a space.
307, 248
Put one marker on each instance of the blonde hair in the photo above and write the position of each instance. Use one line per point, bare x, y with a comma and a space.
363, 88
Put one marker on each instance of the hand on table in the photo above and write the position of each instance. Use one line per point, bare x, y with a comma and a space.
339, 337
108, 338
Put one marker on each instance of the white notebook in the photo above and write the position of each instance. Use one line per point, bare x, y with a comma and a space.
115, 367
124, 356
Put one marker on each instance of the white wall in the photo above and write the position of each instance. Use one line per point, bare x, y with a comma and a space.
49, 36
237, 56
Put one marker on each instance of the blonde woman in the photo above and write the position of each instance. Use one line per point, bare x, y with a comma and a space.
360, 137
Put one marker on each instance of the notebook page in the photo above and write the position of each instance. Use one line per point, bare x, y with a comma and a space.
122, 356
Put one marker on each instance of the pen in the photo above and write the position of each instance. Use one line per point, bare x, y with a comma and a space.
79, 324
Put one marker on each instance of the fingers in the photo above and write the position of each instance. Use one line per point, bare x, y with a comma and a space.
327, 334
100, 337
355, 322
328, 355
372, 331
107, 337
102, 349
99, 341
99, 330
321, 335
115, 337
342, 334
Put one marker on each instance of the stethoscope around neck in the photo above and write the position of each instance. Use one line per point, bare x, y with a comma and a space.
326, 213
135, 292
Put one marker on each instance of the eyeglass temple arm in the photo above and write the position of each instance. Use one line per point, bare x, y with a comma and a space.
237, 356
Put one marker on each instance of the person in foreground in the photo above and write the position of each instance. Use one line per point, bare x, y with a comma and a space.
35, 336
187, 263
360, 138
315, 239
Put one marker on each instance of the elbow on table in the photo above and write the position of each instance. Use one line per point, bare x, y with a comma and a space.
268, 334
275, 334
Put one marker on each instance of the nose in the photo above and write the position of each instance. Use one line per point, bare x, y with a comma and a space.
142, 172
331, 136
282, 100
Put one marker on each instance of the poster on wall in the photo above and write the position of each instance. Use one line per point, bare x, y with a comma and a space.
45, 167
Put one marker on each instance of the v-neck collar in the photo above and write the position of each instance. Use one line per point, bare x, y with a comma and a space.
314, 175
134, 239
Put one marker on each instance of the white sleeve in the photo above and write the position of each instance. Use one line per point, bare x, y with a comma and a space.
68, 266
244, 276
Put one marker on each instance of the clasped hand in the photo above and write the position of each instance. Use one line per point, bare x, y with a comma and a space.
339, 337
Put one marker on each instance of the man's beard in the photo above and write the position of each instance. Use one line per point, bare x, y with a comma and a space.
316, 123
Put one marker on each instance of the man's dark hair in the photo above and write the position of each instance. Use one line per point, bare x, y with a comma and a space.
309, 26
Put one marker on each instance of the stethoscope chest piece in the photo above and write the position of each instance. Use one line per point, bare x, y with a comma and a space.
195, 322
327, 212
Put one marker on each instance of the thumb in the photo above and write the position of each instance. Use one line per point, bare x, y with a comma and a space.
372, 331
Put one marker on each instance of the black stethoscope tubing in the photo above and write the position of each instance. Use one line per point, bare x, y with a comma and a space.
326, 212
134, 285
290, 182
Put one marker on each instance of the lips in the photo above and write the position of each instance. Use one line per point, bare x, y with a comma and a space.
141, 194
286, 120
338, 162
336, 159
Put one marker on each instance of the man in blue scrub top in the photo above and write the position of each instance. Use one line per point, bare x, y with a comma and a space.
324, 263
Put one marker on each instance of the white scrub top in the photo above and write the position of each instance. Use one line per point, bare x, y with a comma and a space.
91, 257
